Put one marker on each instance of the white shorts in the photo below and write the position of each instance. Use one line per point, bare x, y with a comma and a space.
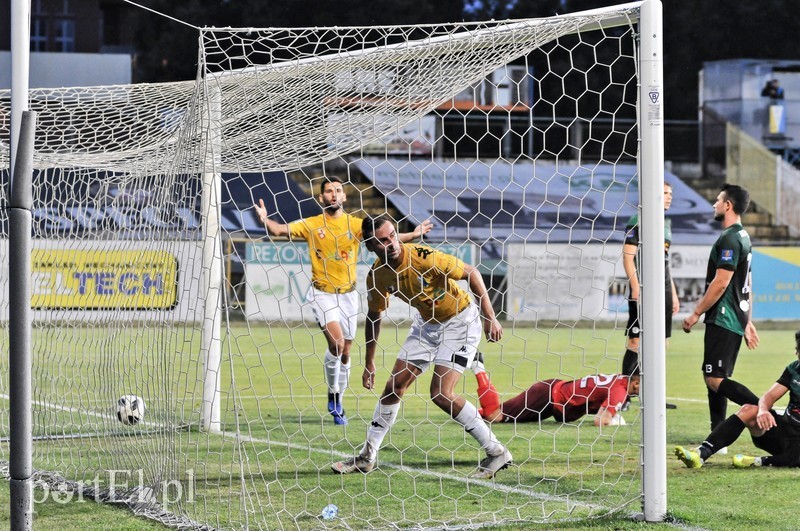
452, 344
339, 308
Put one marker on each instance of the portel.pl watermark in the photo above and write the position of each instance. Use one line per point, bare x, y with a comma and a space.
119, 486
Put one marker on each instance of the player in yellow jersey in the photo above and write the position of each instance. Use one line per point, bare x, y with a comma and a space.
445, 333
333, 239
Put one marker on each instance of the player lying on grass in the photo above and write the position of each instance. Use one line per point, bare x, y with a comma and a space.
779, 435
445, 335
564, 400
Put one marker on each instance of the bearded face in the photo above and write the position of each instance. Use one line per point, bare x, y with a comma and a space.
332, 198
719, 207
385, 243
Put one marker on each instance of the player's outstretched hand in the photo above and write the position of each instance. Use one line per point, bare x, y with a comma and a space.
423, 228
261, 211
493, 330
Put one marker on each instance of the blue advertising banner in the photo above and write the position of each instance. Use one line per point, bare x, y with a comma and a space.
776, 283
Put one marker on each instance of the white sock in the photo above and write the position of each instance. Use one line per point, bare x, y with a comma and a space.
344, 378
332, 365
757, 461
477, 364
382, 420
475, 426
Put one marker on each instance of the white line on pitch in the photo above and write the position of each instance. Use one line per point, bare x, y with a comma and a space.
426, 472
692, 400
68, 409
419, 471
323, 395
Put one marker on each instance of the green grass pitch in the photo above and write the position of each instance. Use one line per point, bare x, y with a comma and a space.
280, 441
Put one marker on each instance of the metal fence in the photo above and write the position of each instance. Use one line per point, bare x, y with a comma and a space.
773, 183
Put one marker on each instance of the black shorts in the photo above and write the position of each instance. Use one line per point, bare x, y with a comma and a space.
632, 329
720, 352
775, 441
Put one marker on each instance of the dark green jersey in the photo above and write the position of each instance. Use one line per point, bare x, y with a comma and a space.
632, 238
732, 252
790, 379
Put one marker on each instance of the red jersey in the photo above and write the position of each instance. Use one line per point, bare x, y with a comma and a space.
591, 393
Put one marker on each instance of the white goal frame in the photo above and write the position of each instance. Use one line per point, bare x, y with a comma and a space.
651, 131
651, 171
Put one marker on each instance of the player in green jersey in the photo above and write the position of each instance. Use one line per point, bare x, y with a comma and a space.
778, 435
726, 305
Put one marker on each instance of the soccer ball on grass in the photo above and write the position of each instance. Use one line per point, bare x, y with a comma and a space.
130, 409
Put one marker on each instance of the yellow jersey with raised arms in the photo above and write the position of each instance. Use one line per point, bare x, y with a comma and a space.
333, 244
426, 280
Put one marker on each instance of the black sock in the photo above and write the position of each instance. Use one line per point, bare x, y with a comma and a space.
789, 458
765, 460
717, 408
737, 392
630, 362
723, 435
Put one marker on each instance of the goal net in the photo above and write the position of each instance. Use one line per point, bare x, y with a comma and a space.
153, 277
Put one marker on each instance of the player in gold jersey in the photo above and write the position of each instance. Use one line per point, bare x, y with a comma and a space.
333, 239
445, 333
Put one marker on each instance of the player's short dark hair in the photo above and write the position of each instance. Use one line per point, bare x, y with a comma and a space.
326, 181
370, 225
738, 196
797, 340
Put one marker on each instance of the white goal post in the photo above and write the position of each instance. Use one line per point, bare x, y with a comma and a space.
651, 124
526, 142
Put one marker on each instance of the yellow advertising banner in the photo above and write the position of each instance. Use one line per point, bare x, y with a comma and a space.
95, 279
